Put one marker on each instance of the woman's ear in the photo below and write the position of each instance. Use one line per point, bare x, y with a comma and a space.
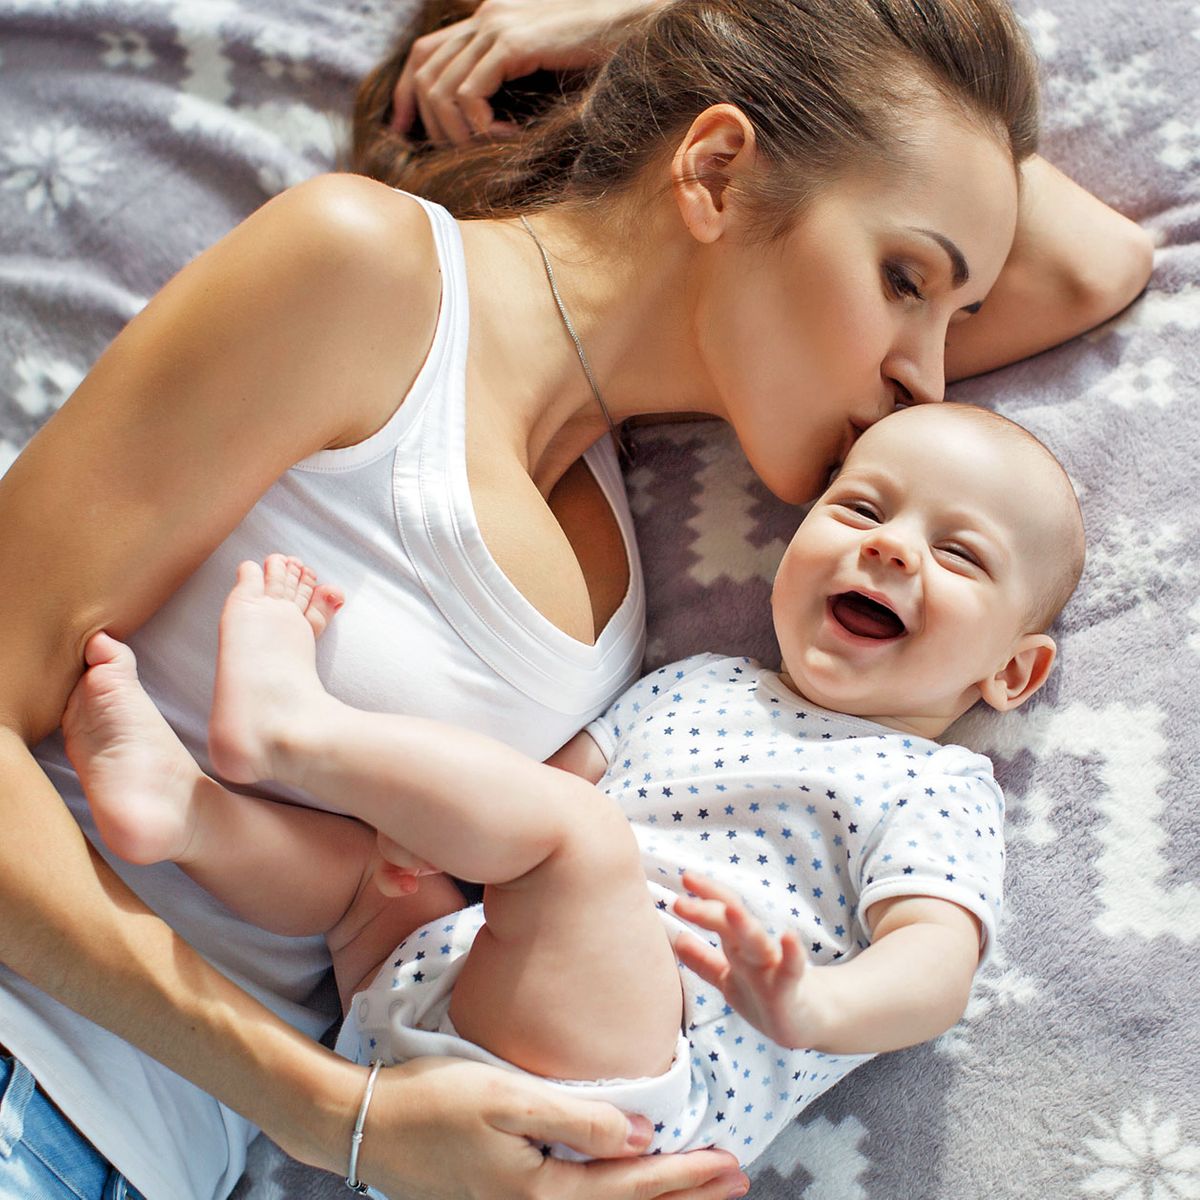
1022, 675
717, 148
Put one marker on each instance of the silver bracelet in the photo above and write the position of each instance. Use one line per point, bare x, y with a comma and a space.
352, 1181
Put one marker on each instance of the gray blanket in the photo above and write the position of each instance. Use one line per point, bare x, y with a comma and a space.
136, 133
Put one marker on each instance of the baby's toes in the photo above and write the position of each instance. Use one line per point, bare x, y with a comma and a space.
324, 601
280, 576
251, 581
306, 583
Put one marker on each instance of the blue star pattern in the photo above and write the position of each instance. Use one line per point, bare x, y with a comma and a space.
811, 816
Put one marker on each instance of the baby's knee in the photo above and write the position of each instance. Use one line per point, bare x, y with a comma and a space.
598, 838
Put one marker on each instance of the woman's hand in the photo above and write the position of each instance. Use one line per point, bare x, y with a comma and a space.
766, 980
451, 73
443, 1129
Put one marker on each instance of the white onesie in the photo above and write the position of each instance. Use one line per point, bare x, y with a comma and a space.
811, 816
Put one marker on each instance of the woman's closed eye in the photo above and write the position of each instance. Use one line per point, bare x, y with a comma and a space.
901, 283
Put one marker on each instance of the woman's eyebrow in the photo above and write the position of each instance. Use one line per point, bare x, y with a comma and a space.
958, 264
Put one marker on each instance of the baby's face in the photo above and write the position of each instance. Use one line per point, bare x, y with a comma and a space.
912, 579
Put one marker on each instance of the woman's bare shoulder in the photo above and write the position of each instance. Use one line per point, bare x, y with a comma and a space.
372, 225
297, 331
362, 257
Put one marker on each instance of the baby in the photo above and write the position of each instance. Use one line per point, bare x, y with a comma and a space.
845, 867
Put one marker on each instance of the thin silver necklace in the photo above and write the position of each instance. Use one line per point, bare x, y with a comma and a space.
618, 442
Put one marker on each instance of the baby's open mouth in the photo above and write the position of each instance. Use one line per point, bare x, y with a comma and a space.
864, 617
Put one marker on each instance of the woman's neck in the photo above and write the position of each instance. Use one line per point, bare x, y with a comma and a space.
629, 298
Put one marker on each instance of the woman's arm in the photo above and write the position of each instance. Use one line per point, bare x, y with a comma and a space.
194, 410
299, 330
1075, 263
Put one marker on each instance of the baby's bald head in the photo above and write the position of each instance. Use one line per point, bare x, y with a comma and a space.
1041, 495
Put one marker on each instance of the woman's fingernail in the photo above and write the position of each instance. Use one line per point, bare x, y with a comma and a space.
640, 1133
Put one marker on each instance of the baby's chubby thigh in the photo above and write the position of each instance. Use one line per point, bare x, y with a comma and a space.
573, 975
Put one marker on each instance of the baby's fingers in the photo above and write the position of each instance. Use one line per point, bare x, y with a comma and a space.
707, 961
712, 915
709, 889
721, 911
747, 940
793, 961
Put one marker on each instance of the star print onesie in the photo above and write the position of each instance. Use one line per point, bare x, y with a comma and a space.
811, 816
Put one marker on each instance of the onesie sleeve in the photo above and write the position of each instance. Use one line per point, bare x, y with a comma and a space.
941, 835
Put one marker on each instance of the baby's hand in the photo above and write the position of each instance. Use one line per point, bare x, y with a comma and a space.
769, 982
396, 871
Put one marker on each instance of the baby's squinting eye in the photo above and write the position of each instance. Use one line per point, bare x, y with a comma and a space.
960, 552
860, 509
900, 283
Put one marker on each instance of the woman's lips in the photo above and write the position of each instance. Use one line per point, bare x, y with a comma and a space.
865, 617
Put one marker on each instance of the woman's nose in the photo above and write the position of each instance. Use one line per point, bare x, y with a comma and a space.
918, 368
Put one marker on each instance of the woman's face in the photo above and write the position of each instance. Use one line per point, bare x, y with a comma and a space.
810, 338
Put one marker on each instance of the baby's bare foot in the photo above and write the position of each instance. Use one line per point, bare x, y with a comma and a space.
267, 680
137, 776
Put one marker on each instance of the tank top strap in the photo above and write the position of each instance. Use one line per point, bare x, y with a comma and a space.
446, 357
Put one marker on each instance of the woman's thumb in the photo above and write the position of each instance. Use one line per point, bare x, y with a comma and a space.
590, 1127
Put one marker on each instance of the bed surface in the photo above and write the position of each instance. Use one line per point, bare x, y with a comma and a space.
135, 134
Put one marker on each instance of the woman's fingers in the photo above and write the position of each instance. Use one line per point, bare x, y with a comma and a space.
451, 74
591, 1127
496, 1122
699, 1175
482, 81
448, 79
434, 82
404, 97
604, 1132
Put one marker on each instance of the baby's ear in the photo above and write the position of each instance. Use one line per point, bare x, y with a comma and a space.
1022, 675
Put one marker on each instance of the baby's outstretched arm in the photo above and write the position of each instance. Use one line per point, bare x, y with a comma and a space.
908, 986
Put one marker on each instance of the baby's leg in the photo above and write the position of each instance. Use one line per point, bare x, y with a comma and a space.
573, 976
291, 870
144, 788
152, 803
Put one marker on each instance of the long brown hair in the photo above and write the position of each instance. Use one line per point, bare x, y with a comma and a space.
825, 83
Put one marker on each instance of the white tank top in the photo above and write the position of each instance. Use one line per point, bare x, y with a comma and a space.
431, 626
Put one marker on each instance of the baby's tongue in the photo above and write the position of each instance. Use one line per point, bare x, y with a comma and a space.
865, 618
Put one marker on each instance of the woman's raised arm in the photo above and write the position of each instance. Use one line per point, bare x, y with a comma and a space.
300, 330
1075, 263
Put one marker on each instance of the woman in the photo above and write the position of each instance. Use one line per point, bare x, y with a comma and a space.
395, 396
